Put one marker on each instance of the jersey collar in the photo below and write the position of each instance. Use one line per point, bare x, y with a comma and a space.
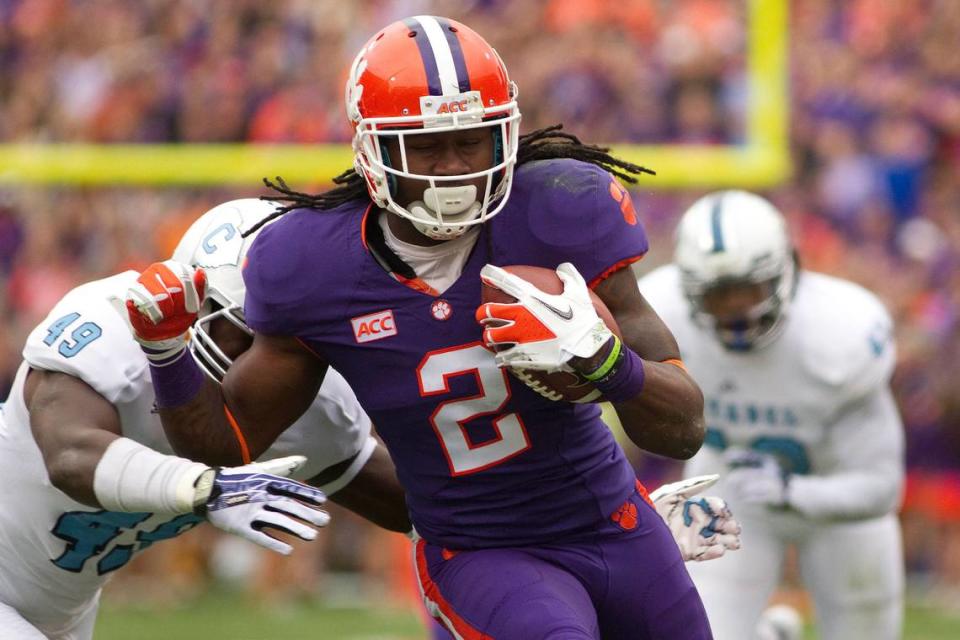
373, 241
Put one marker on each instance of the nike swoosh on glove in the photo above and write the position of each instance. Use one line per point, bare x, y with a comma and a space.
540, 330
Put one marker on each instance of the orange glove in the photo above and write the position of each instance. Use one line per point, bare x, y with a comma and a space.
162, 306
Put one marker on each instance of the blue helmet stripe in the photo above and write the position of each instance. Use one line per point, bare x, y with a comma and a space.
716, 226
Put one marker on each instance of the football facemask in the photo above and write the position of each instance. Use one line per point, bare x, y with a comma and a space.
212, 359
751, 327
733, 239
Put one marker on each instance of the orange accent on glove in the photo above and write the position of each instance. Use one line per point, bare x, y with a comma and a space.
510, 324
167, 292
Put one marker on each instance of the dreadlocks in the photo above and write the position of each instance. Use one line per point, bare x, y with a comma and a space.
549, 143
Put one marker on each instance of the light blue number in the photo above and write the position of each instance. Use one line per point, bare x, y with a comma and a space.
81, 336
228, 232
169, 529
57, 328
715, 438
89, 533
791, 454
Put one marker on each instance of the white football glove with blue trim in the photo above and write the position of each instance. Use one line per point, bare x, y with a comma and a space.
248, 500
757, 478
704, 528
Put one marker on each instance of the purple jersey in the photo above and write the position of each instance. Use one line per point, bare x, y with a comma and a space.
484, 460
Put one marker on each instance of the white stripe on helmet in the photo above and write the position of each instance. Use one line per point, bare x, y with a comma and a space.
441, 52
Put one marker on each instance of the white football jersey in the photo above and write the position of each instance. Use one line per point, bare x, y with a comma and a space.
784, 399
56, 553
818, 399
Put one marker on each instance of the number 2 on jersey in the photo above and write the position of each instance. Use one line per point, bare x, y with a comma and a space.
79, 337
451, 417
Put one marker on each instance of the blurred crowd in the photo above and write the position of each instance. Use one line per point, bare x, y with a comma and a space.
875, 138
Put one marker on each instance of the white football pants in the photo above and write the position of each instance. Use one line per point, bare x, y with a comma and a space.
14, 626
854, 572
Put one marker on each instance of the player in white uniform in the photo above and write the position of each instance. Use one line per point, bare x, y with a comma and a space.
87, 475
801, 423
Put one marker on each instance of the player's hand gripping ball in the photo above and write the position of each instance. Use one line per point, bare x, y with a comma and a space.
536, 319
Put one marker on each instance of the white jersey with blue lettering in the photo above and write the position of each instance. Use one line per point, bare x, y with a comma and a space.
818, 399
56, 553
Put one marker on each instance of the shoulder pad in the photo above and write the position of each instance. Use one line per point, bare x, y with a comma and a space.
566, 210
847, 335
87, 336
296, 260
661, 289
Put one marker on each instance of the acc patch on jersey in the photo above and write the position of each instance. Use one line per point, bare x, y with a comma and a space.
374, 326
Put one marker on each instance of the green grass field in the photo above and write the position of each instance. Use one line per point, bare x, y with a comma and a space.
220, 616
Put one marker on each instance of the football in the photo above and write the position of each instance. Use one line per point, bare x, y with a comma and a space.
564, 386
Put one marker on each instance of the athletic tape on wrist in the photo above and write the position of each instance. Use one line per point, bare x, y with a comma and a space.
132, 477
177, 382
165, 352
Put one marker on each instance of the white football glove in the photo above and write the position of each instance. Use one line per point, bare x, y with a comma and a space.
540, 330
757, 478
248, 500
704, 528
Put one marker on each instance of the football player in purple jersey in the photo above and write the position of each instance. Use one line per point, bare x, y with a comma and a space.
531, 520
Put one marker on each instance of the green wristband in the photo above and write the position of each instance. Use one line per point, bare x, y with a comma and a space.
608, 362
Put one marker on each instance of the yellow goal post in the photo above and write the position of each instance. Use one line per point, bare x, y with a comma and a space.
761, 160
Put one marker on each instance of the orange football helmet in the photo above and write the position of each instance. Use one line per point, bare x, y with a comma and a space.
428, 74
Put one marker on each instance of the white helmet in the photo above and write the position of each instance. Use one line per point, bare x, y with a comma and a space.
216, 243
732, 238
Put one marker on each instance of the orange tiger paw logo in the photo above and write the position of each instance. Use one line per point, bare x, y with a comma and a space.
642, 490
626, 516
622, 196
447, 554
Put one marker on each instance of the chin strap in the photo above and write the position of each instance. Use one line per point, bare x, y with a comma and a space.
452, 205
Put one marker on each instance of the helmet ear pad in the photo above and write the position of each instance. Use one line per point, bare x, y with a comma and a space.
391, 178
497, 154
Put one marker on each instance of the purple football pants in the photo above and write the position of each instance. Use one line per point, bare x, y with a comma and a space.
629, 581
